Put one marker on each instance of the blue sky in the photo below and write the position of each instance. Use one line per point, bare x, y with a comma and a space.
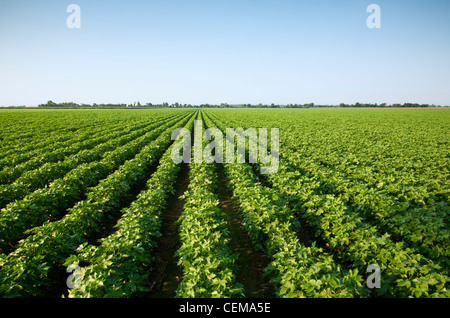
233, 51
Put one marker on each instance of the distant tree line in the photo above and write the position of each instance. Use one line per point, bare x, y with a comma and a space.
225, 105
75, 105
406, 105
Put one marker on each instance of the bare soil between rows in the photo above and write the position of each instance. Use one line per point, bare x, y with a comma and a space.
165, 274
251, 262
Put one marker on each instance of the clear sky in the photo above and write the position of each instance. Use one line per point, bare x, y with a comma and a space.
224, 51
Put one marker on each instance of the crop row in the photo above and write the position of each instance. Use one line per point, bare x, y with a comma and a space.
47, 132
118, 265
394, 176
421, 228
30, 267
14, 165
29, 131
49, 203
18, 165
297, 270
204, 255
35, 179
417, 214
406, 273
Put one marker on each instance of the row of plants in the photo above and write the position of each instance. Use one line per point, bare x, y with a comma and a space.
24, 134
204, 255
118, 266
395, 174
421, 228
296, 269
408, 205
14, 169
18, 157
50, 202
354, 241
402, 153
11, 173
405, 272
39, 178
34, 264
49, 131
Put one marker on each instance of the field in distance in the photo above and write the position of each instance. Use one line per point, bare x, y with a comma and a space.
93, 205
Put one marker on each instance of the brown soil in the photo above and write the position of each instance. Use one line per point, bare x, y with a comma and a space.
165, 274
250, 263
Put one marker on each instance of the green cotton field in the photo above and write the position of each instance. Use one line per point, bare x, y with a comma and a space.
94, 205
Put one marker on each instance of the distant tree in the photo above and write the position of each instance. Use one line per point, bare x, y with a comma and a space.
49, 104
